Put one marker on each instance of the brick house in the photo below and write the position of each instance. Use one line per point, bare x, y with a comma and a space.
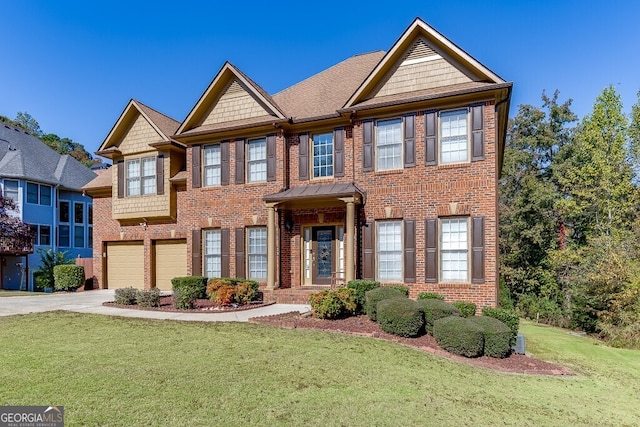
384, 166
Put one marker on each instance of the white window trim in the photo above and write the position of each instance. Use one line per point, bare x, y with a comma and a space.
18, 199
206, 166
206, 255
312, 155
377, 147
39, 188
467, 279
250, 254
141, 177
439, 148
378, 251
256, 161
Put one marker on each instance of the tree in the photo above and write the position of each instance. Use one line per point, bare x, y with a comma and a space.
15, 236
28, 123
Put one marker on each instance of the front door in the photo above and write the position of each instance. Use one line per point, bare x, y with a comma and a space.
323, 255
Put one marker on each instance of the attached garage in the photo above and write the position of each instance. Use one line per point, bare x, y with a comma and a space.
125, 265
170, 260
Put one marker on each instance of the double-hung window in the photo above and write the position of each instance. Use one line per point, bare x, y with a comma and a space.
389, 251
454, 250
257, 253
389, 144
212, 250
11, 190
257, 160
454, 141
141, 176
323, 155
212, 165
38, 194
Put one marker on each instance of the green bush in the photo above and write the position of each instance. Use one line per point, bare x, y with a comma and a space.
333, 303
400, 316
148, 297
48, 260
459, 335
126, 296
430, 295
542, 309
361, 287
68, 277
186, 290
374, 296
508, 317
466, 309
247, 291
401, 288
227, 290
497, 336
435, 309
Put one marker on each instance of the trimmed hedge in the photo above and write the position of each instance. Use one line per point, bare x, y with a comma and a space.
228, 290
401, 288
374, 296
68, 277
148, 297
126, 296
508, 317
496, 335
466, 309
435, 309
400, 316
459, 335
361, 287
186, 290
333, 303
430, 295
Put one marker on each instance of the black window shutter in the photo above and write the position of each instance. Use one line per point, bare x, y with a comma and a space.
368, 251
196, 173
160, 174
120, 166
224, 252
477, 133
240, 161
430, 138
196, 261
431, 251
224, 163
240, 264
477, 250
409, 140
367, 146
338, 152
271, 157
303, 156
410, 251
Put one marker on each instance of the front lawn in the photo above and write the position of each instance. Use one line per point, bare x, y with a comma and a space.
117, 371
10, 293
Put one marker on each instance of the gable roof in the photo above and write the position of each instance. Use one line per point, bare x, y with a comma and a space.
23, 156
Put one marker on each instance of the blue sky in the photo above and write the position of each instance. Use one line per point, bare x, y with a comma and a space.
74, 65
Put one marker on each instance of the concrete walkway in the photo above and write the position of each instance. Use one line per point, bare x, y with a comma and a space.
91, 302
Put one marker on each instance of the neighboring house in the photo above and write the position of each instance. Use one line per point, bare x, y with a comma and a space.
47, 189
384, 166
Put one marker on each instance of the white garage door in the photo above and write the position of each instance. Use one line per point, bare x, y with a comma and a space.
125, 265
170, 262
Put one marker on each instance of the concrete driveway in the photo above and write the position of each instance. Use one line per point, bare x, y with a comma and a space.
91, 302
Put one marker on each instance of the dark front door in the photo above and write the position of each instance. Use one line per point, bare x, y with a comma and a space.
323, 255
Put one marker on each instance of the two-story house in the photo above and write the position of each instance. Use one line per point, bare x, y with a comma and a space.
384, 166
46, 187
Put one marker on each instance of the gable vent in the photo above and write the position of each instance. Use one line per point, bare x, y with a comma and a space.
419, 52
234, 87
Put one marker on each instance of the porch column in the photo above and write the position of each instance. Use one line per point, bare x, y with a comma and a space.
271, 246
349, 240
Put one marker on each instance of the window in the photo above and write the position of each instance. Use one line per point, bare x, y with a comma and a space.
212, 253
323, 155
453, 136
33, 231
90, 214
64, 211
389, 144
63, 236
78, 213
89, 236
257, 160
389, 250
141, 176
32, 192
45, 195
78, 236
38, 194
44, 235
11, 190
257, 253
454, 250
212, 165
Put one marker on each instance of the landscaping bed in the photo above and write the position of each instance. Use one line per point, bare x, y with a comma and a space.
167, 303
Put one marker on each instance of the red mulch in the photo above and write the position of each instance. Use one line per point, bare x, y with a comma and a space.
200, 306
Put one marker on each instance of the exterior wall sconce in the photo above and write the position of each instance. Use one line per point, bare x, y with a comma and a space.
288, 224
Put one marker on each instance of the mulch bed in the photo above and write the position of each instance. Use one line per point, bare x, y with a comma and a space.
200, 306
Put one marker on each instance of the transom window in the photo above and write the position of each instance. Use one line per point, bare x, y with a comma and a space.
453, 136
212, 253
11, 190
389, 144
323, 155
389, 248
212, 165
38, 194
257, 253
454, 250
141, 176
257, 160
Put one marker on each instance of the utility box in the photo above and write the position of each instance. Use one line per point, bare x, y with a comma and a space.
519, 347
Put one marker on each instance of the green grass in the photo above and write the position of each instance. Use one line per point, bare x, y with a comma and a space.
116, 371
10, 293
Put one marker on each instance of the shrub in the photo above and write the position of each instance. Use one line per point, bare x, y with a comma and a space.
68, 277
542, 309
497, 336
374, 296
333, 303
186, 290
401, 288
247, 291
459, 335
430, 295
400, 316
221, 291
48, 260
466, 309
148, 297
126, 296
508, 317
361, 287
435, 309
